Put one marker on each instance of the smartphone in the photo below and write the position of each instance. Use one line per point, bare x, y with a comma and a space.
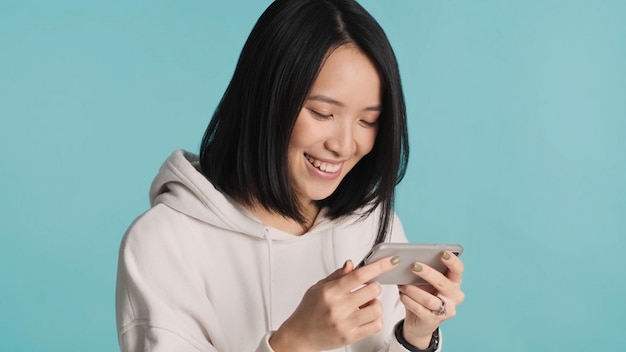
409, 253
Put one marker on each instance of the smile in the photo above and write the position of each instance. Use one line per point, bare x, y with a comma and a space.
323, 166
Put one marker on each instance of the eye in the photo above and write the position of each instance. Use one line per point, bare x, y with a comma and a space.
368, 124
319, 115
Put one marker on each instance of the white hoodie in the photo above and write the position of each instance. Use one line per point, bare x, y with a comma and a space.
197, 272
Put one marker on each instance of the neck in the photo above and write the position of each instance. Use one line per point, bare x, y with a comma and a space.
283, 223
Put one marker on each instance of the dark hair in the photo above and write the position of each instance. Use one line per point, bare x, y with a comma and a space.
244, 149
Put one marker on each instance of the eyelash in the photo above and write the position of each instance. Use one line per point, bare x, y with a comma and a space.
320, 115
369, 124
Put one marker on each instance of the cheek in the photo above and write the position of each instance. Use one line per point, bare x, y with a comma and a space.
300, 133
367, 141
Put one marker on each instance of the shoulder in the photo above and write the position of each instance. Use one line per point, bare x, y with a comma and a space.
160, 230
155, 222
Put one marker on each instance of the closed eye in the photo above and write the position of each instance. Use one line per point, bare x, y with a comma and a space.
366, 123
320, 115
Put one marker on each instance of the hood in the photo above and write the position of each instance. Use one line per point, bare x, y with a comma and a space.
181, 186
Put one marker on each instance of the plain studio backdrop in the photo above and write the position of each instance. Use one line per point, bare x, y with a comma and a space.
517, 115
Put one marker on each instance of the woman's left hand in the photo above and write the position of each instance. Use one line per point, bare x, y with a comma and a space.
422, 303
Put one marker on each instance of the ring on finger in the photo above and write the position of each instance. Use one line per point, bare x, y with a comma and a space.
442, 308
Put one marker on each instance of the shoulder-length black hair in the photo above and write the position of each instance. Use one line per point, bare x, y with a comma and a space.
244, 149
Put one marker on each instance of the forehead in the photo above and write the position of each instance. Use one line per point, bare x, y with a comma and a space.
348, 77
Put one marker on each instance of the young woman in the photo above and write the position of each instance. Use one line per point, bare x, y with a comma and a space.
295, 178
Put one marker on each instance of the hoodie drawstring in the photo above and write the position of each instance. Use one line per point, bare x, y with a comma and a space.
268, 291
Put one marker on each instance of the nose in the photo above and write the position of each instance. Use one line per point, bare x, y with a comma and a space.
341, 140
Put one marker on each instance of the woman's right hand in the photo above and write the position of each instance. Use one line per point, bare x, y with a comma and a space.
338, 310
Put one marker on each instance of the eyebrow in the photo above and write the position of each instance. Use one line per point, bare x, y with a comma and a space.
329, 100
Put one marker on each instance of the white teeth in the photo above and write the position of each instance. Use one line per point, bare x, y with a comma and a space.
326, 167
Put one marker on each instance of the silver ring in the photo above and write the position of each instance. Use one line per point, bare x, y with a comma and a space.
442, 309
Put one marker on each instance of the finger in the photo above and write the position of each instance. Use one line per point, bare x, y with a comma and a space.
371, 311
372, 322
426, 287
422, 312
360, 297
436, 279
421, 296
455, 266
369, 329
440, 282
368, 272
347, 267
424, 304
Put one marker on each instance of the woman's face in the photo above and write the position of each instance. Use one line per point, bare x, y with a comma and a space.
337, 125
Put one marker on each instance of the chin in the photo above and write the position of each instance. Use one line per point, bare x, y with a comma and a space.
322, 195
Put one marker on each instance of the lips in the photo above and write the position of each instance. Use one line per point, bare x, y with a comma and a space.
322, 165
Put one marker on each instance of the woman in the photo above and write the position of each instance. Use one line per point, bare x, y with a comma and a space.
295, 178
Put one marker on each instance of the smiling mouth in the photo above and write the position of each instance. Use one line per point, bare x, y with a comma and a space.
322, 166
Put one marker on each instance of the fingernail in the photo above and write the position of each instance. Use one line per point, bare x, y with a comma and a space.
446, 255
395, 260
417, 267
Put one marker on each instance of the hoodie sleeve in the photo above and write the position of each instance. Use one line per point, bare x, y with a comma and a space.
395, 346
161, 303
155, 297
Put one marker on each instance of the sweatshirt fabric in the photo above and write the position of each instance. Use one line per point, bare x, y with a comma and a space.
198, 272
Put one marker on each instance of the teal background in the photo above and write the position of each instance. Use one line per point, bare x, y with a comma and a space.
517, 115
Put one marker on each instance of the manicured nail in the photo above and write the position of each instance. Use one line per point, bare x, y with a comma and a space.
395, 260
446, 255
417, 267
